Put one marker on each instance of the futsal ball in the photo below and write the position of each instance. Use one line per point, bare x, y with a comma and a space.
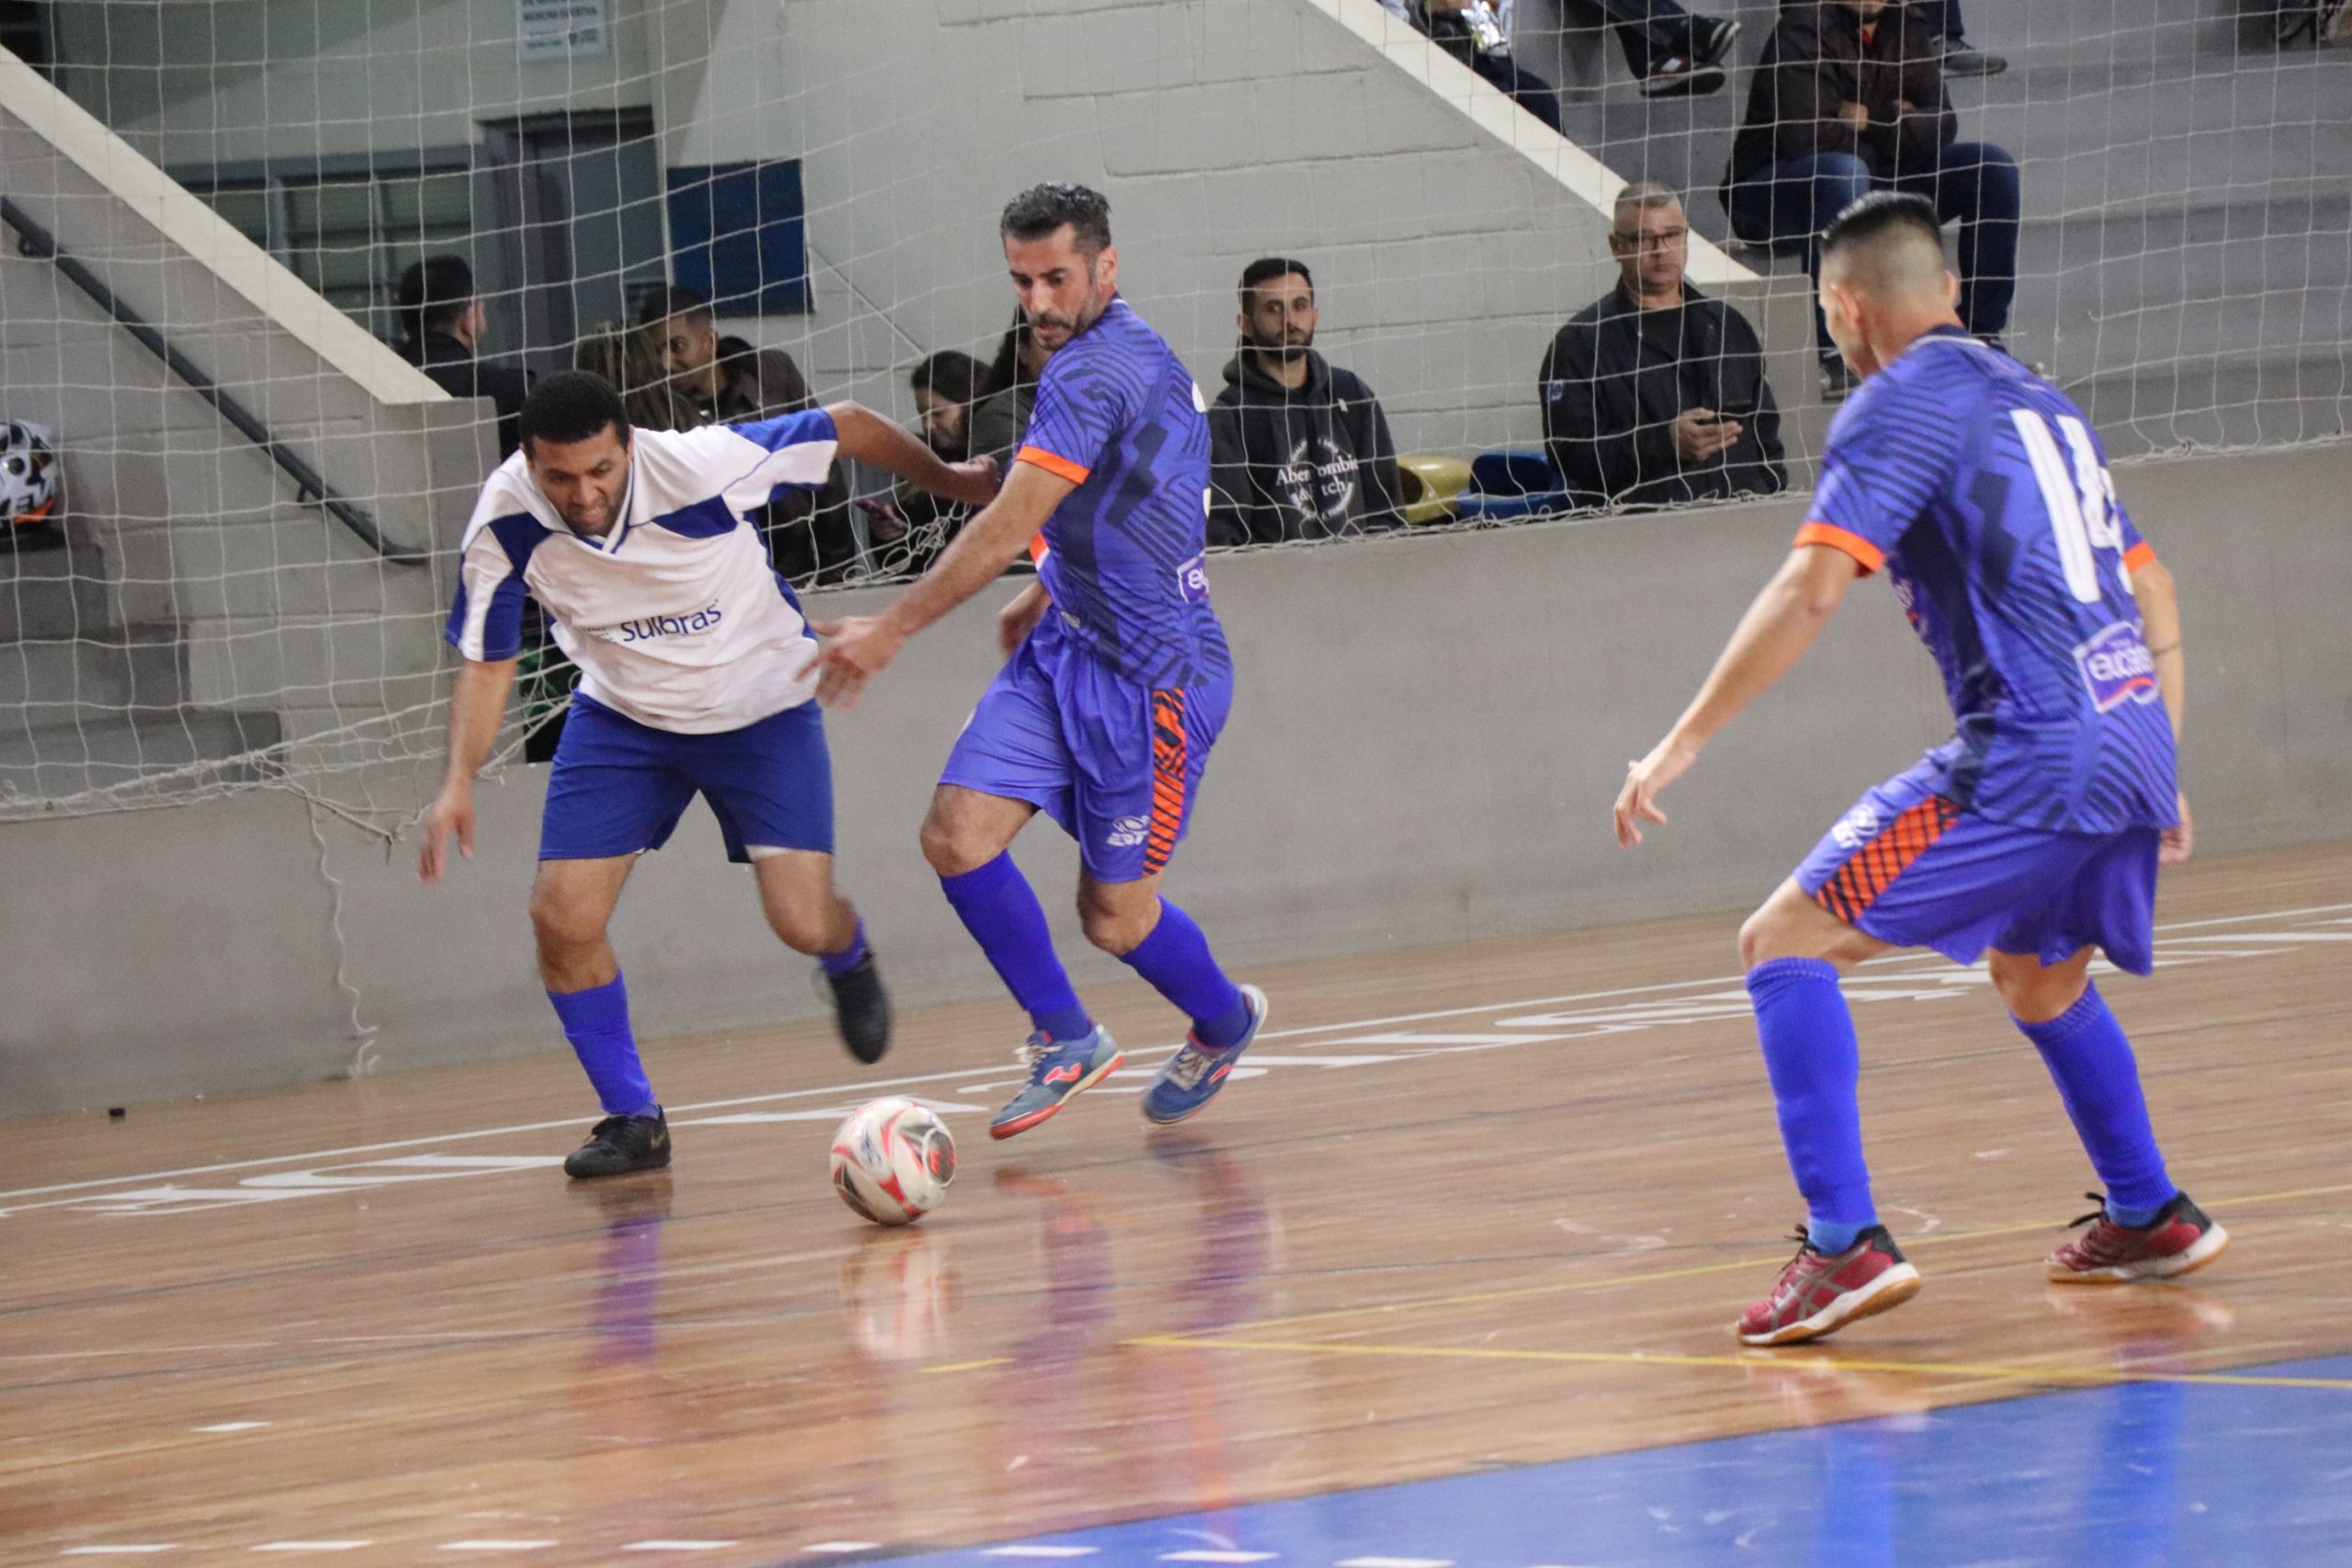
892, 1160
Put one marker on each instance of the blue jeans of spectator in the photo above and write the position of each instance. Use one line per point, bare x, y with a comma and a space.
1527, 90
1975, 182
1647, 30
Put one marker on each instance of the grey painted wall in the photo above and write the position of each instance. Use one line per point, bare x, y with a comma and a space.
1428, 733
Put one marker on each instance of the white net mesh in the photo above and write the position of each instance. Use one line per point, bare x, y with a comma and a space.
243, 587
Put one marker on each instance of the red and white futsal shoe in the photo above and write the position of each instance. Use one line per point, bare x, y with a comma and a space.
2183, 1239
1819, 1295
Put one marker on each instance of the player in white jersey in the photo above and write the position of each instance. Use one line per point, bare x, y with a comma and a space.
696, 674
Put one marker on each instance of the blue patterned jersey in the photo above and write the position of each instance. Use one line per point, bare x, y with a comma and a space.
1118, 415
1982, 490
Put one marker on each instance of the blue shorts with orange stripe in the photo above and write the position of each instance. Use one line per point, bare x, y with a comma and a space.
1116, 762
1909, 867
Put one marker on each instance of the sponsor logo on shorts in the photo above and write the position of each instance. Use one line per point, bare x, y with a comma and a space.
2117, 667
1856, 828
1128, 833
651, 628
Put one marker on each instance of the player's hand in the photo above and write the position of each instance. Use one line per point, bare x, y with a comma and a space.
1856, 115
2176, 842
976, 481
1018, 619
857, 649
452, 811
1644, 781
1702, 435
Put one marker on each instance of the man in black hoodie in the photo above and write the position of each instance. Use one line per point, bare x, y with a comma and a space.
1654, 395
1299, 448
442, 323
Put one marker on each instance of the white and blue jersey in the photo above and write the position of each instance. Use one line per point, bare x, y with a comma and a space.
675, 616
695, 666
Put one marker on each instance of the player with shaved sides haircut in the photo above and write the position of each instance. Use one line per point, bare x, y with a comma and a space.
2035, 833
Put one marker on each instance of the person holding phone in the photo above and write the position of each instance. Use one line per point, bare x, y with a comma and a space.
1655, 395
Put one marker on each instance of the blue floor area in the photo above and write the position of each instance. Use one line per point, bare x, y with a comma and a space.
2131, 1476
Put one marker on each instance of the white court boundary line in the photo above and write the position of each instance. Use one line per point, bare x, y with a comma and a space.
881, 1084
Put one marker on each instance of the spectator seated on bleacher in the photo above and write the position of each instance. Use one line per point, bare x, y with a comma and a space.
443, 321
916, 525
727, 381
1300, 448
1849, 98
1655, 395
1477, 33
1007, 392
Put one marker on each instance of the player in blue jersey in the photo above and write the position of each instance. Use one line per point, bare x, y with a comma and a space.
2036, 831
1117, 681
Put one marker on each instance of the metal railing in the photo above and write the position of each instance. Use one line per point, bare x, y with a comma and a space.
37, 241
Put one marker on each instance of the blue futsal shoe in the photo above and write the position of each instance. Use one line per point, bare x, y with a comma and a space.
1057, 1072
1191, 1079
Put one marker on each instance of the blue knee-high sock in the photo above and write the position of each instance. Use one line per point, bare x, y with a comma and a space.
1816, 1064
997, 907
596, 1023
2086, 1052
1175, 958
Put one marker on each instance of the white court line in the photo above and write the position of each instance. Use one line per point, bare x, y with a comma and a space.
232, 1427
977, 1074
496, 1545
1050, 1552
1202, 1556
313, 1545
679, 1545
838, 1546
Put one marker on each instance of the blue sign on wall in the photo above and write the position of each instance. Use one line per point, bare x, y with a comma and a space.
739, 235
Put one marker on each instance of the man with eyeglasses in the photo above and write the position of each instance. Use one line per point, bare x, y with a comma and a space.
1654, 395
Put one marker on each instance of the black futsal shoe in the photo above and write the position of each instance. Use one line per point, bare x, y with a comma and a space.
861, 1008
620, 1145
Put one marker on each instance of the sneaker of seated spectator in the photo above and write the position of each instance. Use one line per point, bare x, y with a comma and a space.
1849, 98
1655, 395
1671, 52
1477, 33
1299, 448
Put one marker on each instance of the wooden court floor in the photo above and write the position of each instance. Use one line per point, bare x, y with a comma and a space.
1476, 1206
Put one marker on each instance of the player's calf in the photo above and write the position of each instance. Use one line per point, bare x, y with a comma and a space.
1819, 1293
2181, 1239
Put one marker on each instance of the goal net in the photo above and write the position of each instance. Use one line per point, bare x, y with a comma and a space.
236, 477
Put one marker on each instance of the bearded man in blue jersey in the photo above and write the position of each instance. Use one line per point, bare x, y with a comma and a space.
1117, 678
2035, 833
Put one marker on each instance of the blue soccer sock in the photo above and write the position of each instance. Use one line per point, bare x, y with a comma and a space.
1816, 1065
837, 964
596, 1023
997, 907
1175, 958
2086, 1052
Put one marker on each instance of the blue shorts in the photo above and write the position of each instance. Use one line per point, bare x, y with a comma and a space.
1909, 867
618, 788
1116, 762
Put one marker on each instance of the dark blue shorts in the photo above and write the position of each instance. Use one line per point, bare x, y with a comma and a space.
1907, 866
1116, 762
618, 788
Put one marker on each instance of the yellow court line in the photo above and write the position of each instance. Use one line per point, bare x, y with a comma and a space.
2088, 1376
969, 1366
1569, 1287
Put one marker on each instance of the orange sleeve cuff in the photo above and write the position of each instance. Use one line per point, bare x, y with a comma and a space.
1061, 467
1870, 557
2139, 555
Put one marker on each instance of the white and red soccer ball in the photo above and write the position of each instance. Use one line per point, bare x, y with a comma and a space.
892, 1160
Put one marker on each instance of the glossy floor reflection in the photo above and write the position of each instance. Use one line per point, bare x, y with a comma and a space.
2143, 1475
1446, 1276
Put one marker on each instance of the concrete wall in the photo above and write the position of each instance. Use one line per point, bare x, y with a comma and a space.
1428, 733
1450, 233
